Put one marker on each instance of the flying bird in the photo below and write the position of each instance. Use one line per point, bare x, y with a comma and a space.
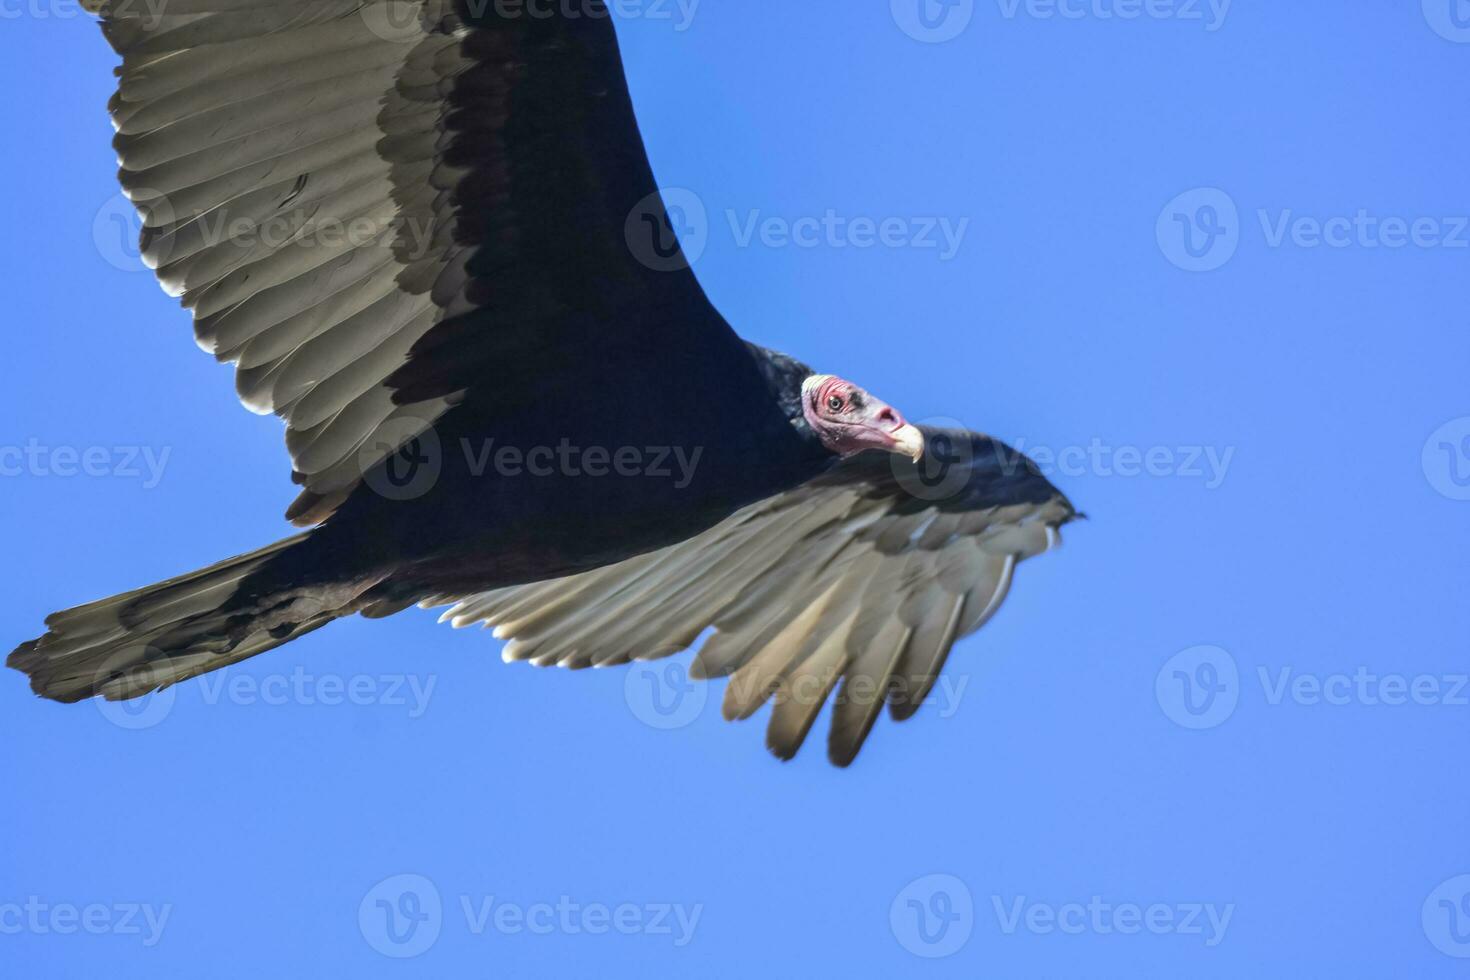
428, 237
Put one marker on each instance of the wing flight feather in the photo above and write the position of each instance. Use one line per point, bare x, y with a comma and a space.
859, 582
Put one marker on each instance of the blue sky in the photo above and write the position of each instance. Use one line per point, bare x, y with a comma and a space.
1207, 262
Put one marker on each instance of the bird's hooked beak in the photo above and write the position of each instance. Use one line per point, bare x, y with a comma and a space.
892, 432
907, 439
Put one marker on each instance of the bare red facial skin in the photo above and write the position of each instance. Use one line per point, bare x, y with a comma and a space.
849, 420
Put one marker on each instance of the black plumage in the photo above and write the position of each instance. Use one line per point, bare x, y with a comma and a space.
514, 282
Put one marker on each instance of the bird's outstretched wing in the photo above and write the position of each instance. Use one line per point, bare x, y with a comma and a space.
866, 576
370, 205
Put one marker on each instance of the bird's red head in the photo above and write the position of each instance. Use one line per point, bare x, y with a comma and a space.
848, 420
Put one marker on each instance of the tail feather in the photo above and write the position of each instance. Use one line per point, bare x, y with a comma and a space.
130, 644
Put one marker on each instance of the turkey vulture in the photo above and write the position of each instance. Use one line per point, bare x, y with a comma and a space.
426, 234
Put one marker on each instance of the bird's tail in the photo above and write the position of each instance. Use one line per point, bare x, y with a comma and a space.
130, 644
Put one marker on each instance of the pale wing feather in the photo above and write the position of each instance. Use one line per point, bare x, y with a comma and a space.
285, 158
835, 583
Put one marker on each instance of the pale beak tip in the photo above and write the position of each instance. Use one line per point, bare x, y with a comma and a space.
910, 441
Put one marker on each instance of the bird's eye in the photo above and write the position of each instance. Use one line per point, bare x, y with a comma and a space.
834, 403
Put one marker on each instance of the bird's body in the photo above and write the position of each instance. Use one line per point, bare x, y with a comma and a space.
509, 392
482, 505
